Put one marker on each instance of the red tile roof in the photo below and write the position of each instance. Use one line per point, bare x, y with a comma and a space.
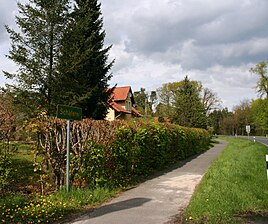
118, 108
120, 93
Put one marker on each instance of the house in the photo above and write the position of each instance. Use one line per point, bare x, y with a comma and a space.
122, 104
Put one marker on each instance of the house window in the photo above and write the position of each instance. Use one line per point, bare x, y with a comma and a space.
128, 106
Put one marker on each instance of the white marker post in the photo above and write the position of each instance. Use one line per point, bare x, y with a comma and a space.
248, 130
267, 164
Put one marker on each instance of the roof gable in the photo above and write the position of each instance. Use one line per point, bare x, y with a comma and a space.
120, 93
118, 108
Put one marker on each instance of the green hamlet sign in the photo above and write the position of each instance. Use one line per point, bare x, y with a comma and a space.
70, 113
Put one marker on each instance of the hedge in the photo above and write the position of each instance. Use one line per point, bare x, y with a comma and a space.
140, 148
104, 152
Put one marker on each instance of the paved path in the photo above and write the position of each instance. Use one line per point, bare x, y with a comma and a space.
157, 200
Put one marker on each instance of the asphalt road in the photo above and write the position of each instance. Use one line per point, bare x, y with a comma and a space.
158, 200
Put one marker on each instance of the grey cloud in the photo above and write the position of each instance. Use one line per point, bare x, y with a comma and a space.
193, 56
195, 34
160, 41
8, 7
239, 24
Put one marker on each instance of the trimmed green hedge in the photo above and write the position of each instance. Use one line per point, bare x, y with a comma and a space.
104, 152
140, 148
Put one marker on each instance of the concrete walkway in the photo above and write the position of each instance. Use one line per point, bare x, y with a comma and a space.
157, 200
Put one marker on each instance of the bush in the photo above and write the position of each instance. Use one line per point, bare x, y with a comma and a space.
104, 152
6, 174
139, 148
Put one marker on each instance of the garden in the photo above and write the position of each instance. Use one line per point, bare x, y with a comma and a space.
105, 158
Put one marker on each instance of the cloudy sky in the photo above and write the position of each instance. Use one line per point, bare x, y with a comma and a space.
160, 41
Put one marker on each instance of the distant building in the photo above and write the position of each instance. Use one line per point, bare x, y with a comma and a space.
122, 105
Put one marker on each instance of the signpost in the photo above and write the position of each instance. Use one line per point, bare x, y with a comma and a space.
69, 113
267, 164
248, 130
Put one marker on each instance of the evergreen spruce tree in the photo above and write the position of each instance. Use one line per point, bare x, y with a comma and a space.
36, 50
190, 111
84, 66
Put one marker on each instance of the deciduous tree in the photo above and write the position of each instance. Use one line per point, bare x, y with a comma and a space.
262, 84
242, 117
182, 102
166, 95
259, 114
210, 100
145, 101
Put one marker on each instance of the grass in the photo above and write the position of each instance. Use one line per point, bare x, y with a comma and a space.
53, 208
235, 185
26, 205
26, 180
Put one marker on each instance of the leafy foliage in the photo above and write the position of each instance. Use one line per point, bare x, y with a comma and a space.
145, 101
50, 136
262, 84
259, 115
36, 50
6, 170
221, 122
253, 113
7, 120
190, 111
186, 102
114, 153
61, 59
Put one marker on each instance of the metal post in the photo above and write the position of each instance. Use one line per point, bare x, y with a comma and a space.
68, 157
267, 164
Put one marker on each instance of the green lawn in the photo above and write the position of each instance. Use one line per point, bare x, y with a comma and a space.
25, 180
26, 205
235, 185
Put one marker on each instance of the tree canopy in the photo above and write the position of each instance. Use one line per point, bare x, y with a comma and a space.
182, 102
262, 84
61, 57
145, 101
84, 61
189, 110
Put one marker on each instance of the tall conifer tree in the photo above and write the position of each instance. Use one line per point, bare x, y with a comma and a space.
61, 57
84, 61
36, 50
190, 111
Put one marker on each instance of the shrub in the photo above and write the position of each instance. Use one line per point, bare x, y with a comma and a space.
104, 152
6, 175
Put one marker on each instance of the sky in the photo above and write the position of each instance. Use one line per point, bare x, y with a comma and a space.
161, 41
